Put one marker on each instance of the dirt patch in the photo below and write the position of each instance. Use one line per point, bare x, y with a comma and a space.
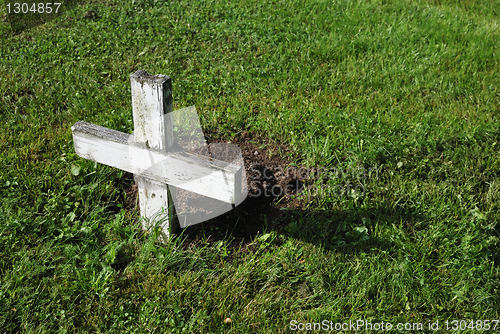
272, 184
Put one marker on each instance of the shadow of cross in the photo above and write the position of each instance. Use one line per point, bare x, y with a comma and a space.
167, 174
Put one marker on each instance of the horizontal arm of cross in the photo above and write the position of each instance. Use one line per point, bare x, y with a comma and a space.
199, 174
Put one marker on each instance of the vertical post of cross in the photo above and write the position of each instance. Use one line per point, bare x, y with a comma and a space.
153, 128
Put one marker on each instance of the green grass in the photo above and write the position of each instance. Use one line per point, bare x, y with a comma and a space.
411, 88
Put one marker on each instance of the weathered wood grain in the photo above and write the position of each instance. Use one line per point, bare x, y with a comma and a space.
197, 173
153, 128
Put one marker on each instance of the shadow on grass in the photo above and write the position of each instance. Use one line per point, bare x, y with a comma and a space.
346, 230
23, 15
350, 230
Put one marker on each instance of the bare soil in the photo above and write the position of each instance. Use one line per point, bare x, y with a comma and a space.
271, 189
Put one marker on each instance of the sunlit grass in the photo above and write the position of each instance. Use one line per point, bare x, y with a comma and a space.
409, 89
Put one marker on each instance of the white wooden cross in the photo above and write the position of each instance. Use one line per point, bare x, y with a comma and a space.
159, 168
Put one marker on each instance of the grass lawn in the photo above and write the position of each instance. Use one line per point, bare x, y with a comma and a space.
407, 88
